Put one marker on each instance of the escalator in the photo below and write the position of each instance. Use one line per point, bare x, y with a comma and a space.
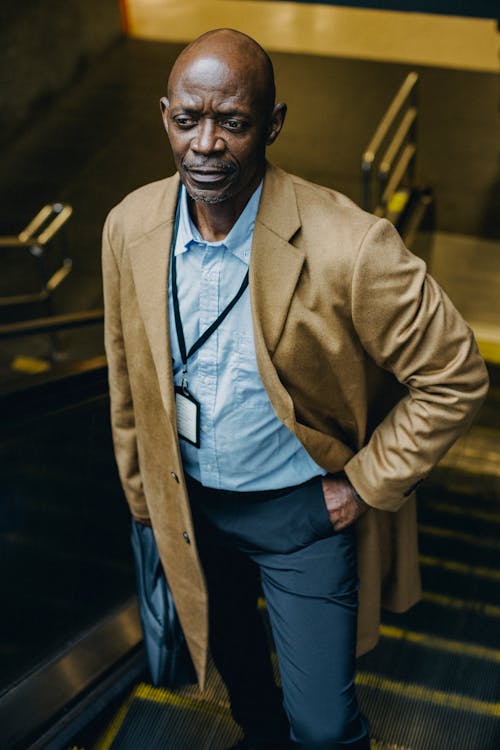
72, 667
67, 570
72, 670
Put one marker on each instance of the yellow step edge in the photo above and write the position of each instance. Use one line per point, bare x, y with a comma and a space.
441, 600
441, 644
107, 739
456, 510
423, 694
411, 691
163, 695
460, 536
477, 571
143, 691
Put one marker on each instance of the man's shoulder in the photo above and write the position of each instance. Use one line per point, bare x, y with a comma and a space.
323, 209
314, 192
152, 191
146, 207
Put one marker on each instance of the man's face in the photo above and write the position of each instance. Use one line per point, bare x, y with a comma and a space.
218, 125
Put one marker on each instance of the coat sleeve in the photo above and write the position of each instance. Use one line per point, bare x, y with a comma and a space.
408, 326
122, 405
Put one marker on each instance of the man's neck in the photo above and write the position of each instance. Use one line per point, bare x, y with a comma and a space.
214, 221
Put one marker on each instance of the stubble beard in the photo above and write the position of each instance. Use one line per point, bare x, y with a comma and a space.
210, 200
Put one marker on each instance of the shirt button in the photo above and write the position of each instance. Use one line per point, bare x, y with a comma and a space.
204, 428
186, 537
174, 476
209, 467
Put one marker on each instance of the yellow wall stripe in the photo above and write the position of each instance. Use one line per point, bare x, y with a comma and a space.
441, 644
409, 38
428, 695
456, 567
460, 536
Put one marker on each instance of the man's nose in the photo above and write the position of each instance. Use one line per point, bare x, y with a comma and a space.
208, 138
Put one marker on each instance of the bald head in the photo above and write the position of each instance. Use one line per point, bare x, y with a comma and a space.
239, 53
220, 116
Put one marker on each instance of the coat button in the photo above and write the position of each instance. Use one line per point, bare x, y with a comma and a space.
186, 537
174, 476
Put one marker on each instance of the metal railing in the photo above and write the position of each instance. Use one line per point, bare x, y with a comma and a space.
384, 172
35, 238
51, 324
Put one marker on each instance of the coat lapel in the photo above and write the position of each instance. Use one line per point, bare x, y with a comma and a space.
275, 268
150, 256
275, 263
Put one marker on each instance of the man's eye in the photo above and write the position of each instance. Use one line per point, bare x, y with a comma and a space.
233, 125
184, 121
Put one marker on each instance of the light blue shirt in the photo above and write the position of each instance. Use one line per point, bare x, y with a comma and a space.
243, 445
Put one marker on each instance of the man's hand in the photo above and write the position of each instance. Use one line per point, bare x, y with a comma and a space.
344, 506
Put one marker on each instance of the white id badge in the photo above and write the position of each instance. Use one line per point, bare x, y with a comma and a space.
188, 416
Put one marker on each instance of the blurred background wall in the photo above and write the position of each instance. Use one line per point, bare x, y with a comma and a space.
43, 45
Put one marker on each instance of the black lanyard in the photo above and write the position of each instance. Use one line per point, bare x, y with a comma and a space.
185, 355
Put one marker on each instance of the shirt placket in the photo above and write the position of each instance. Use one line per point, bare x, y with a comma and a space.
207, 362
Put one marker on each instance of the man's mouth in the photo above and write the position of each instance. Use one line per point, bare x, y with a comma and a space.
208, 174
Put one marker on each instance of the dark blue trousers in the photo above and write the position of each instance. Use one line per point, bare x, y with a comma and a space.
308, 573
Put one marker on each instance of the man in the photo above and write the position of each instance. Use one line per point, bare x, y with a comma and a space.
283, 373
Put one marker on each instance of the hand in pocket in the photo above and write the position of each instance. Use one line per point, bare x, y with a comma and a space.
344, 506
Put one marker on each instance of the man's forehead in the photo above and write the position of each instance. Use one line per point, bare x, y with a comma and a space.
198, 102
229, 88
207, 73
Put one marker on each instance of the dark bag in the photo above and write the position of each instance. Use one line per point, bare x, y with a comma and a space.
167, 654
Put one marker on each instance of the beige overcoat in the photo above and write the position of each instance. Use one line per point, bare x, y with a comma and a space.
362, 355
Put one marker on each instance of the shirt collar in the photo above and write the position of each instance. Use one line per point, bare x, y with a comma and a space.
238, 241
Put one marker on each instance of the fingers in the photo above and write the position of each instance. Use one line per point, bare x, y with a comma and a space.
344, 506
344, 516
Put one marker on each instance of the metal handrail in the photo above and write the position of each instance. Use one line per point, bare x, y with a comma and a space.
28, 237
395, 145
54, 323
405, 129
34, 237
398, 173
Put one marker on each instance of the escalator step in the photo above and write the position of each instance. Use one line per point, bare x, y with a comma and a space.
159, 719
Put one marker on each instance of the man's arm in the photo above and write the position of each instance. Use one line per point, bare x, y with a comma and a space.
122, 407
408, 326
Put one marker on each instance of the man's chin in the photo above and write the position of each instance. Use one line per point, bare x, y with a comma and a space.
209, 197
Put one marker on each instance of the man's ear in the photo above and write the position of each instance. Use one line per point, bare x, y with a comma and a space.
164, 106
276, 122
